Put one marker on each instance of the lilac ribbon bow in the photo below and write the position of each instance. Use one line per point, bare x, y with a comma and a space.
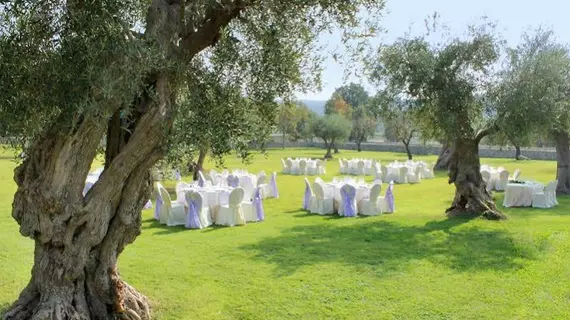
157, 208
192, 219
201, 181
347, 203
390, 198
273, 183
233, 181
258, 205
148, 204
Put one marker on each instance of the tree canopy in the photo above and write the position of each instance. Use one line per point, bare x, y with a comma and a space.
331, 129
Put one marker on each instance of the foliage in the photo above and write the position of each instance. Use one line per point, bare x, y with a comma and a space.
331, 129
533, 96
218, 118
337, 105
363, 126
400, 120
443, 83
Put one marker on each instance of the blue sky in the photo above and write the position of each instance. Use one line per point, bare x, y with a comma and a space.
513, 18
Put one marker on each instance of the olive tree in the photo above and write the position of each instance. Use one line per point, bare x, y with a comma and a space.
446, 84
75, 73
533, 96
399, 119
331, 129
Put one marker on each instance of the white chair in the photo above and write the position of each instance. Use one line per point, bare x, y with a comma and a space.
264, 187
516, 175
348, 206
253, 210
309, 198
273, 191
323, 205
501, 184
377, 181
321, 167
427, 171
360, 168
233, 181
312, 170
232, 214
346, 165
198, 215
285, 168
303, 167
403, 175
371, 206
214, 174
546, 198
292, 168
171, 214
247, 185
415, 176
387, 203
342, 167
181, 188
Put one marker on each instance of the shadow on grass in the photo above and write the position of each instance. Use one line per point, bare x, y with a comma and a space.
388, 246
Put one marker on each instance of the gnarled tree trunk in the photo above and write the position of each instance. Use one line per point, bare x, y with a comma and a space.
329, 147
78, 238
471, 196
562, 162
445, 156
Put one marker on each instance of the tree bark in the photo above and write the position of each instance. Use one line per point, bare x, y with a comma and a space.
445, 156
335, 148
200, 163
562, 162
517, 152
283, 140
407, 145
329, 147
78, 238
471, 196
359, 145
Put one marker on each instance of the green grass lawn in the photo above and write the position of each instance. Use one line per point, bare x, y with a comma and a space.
413, 264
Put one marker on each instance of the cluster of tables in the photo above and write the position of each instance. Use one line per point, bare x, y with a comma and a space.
303, 166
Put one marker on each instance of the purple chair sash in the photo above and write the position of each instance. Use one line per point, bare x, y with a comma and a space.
192, 219
348, 203
201, 181
273, 183
157, 208
233, 181
148, 204
87, 187
307, 198
258, 205
177, 175
390, 198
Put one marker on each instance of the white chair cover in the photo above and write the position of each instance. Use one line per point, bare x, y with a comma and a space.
248, 187
387, 204
309, 198
323, 205
503, 180
547, 198
285, 168
171, 214
371, 206
232, 214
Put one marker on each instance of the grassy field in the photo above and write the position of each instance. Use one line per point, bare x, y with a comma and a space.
414, 264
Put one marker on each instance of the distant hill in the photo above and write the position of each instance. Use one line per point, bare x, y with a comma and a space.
317, 106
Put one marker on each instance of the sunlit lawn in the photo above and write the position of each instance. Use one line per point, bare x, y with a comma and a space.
414, 264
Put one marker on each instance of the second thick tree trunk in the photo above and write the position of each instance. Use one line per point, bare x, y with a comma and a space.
517, 153
562, 162
200, 162
444, 157
408, 152
471, 196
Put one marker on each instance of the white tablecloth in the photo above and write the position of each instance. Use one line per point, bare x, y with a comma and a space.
332, 190
213, 196
310, 163
520, 195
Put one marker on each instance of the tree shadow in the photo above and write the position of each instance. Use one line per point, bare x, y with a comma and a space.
154, 224
387, 247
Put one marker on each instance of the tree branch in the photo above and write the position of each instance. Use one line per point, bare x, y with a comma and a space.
487, 131
208, 33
